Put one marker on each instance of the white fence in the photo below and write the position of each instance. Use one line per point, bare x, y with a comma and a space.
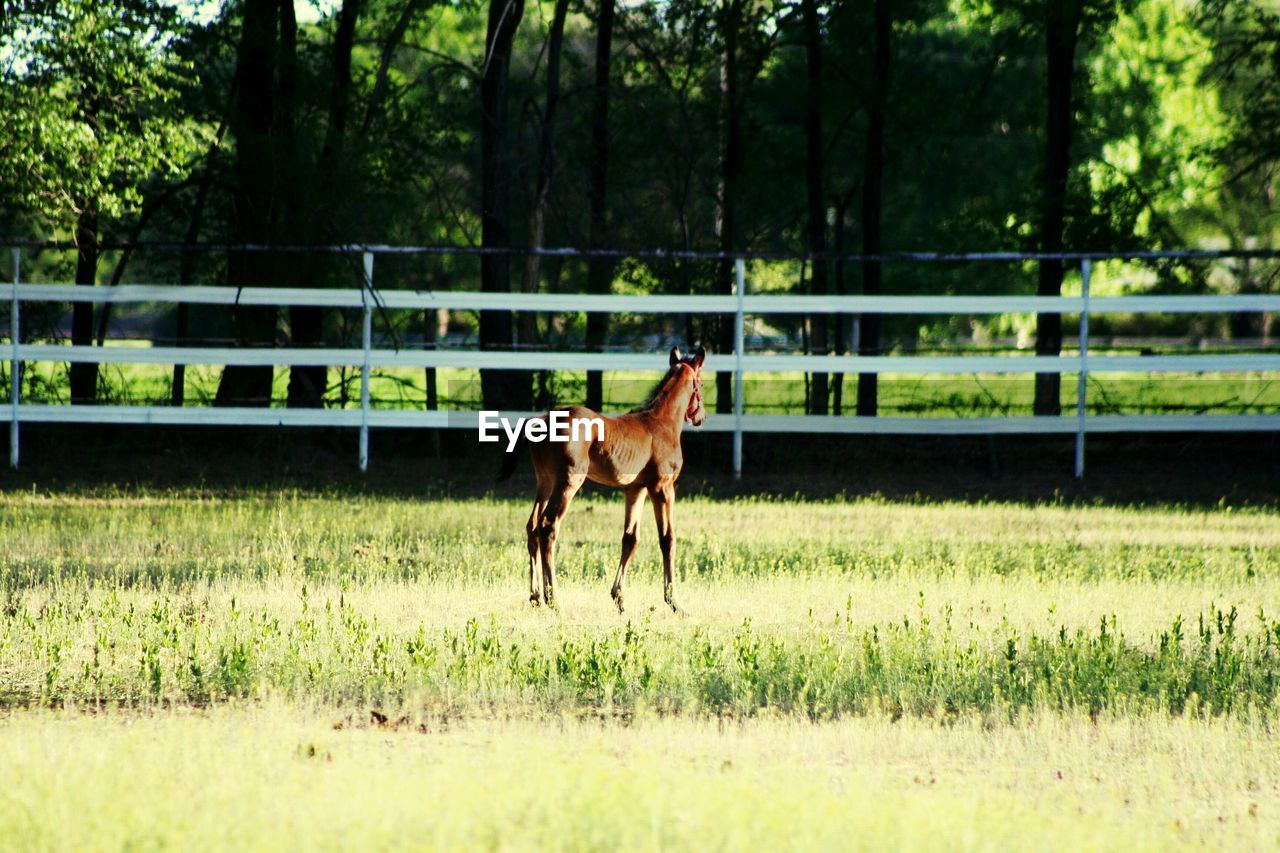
739, 363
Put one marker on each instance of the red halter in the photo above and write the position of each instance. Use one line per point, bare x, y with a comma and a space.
695, 400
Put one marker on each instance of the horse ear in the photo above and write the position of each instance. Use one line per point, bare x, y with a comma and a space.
699, 357
675, 356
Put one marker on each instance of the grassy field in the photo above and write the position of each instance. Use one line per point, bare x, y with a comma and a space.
249, 668
269, 776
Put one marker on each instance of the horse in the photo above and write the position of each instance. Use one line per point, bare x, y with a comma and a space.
638, 453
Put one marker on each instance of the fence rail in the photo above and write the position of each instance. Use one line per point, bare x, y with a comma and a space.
506, 359
739, 304
525, 360
656, 304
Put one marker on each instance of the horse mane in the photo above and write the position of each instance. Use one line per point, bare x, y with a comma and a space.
651, 399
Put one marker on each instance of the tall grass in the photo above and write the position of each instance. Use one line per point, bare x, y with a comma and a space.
87, 646
812, 610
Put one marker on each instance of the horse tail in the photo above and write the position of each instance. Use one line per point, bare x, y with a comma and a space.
510, 460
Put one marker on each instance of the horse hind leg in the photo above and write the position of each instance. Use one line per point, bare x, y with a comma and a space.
556, 507
535, 550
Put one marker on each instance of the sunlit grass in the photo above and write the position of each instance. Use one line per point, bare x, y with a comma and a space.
230, 669
276, 776
819, 609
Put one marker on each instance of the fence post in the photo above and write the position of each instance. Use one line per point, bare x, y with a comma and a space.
1086, 268
366, 334
15, 365
740, 280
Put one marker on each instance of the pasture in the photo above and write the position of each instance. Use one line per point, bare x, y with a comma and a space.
920, 673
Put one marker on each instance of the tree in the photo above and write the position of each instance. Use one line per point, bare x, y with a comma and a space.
89, 93
730, 173
546, 168
500, 388
1065, 24
816, 202
745, 54
739, 124
1245, 69
1062, 22
265, 58
599, 270
307, 383
1245, 73
872, 204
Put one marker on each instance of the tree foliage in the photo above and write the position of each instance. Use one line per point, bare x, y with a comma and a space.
700, 134
90, 103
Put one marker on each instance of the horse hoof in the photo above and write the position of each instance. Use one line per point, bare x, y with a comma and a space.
535, 599
670, 599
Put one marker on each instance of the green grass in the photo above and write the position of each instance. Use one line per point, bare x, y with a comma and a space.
272, 776
849, 673
819, 610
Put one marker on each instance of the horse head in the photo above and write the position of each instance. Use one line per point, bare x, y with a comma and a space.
691, 365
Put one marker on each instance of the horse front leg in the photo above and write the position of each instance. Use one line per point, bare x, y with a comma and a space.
664, 499
630, 524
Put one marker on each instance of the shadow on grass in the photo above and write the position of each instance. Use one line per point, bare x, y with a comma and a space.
1158, 470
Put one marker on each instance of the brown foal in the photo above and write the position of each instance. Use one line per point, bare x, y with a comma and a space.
639, 453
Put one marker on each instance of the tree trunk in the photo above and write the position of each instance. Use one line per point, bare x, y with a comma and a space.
599, 270
186, 271
430, 333
430, 327
181, 323
1062, 31
499, 388
546, 172
730, 169
186, 268
872, 201
1248, 324
254, 199
817, 220
84, 376
842, 321
308, 382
